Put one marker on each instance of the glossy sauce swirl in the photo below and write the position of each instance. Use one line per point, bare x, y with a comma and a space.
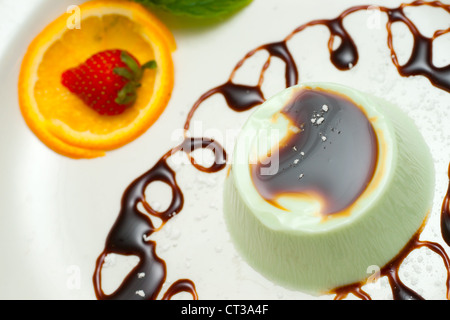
129, 234
331, 158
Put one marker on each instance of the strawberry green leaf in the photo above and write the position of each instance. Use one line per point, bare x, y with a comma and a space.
128, 100
128, 93
133, 73
124, 72
132, 64
150, 65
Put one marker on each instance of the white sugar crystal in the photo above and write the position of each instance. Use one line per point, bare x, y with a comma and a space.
145, 237
324, 138
301, 176
320, 120
141, 275
140, 293
325, 108
296, 161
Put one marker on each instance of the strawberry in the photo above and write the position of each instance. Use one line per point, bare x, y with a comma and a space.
108, 81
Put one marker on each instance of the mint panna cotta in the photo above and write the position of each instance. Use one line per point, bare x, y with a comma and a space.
326, 183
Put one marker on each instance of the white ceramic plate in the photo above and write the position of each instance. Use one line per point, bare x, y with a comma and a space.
56, 212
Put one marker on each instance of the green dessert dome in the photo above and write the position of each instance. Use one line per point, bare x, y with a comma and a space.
326, 183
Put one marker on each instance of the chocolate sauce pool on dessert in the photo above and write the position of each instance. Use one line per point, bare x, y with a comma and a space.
129, 234
333, 155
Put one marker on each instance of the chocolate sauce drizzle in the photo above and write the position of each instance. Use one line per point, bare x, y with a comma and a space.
131, 232
445, 215
420, 62
399, 290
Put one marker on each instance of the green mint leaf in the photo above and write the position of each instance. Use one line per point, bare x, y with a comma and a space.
197, 8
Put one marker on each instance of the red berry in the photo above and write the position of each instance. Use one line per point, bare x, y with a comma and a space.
107, 82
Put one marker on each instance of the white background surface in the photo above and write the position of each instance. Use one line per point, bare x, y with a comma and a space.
13, 13
55, 213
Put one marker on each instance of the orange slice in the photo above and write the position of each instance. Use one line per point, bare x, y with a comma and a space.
59, 118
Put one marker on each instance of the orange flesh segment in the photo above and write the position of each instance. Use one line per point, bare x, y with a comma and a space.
56, 102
